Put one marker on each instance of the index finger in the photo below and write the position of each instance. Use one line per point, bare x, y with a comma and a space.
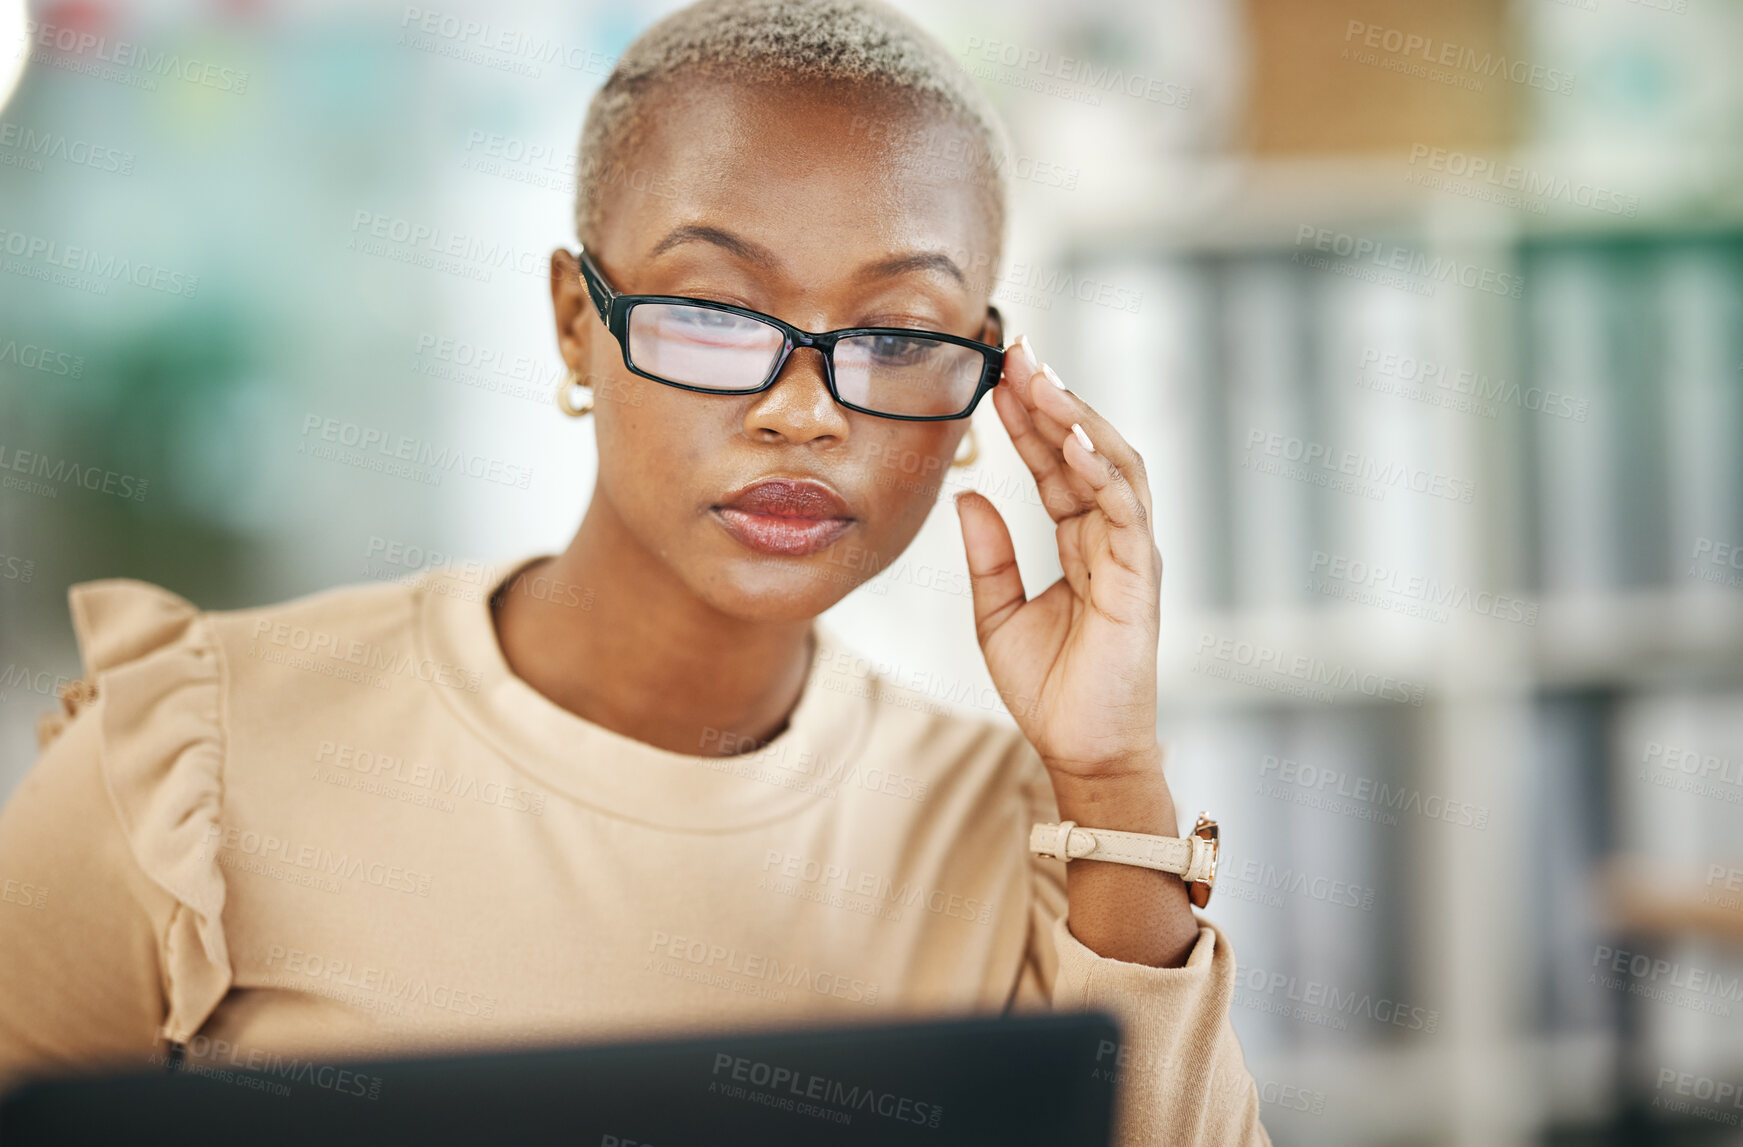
1053, 409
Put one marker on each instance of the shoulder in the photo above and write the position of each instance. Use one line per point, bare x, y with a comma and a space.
163, 685
159, 675
119, 620
127, 629
368, 611
166, 681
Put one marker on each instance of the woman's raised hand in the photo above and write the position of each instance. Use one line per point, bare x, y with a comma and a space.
1076, 665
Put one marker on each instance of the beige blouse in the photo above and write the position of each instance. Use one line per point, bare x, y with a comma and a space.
341, 826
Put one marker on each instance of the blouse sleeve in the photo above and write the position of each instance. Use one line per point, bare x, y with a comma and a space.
1179, 1073
122, 943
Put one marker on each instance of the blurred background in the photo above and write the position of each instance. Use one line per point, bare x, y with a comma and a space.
1427, 318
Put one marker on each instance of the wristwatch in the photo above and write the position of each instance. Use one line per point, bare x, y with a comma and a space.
1193, 857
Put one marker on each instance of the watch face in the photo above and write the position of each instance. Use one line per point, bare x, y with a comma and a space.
1199, 890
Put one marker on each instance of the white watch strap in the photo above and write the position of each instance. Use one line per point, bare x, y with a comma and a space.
1189, 856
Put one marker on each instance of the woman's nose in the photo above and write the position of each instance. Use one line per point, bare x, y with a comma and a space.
798, 406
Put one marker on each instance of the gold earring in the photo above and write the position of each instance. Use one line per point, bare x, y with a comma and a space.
973, 450
564, 389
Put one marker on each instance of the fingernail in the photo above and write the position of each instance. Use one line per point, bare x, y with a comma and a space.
1051, 377
1082, 438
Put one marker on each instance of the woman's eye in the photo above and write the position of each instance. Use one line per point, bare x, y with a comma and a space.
709, 319
901, 349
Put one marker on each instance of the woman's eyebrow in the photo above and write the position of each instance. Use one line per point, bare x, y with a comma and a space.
698, 233
756, 253
924, 261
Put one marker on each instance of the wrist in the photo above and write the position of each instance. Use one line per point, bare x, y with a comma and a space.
1134, 800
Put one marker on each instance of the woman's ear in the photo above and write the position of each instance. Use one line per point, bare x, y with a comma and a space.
993, 330
572, 307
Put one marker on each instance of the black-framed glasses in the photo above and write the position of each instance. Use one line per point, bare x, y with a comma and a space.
717, 348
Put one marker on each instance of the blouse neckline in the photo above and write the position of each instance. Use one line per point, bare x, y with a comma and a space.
616, 774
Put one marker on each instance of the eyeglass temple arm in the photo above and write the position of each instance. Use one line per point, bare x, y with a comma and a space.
596, 288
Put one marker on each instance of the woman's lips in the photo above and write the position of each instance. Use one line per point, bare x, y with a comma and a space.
773, 534
785, 516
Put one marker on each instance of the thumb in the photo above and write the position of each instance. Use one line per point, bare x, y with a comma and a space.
993, 576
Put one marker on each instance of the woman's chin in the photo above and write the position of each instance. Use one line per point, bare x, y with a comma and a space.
770, 591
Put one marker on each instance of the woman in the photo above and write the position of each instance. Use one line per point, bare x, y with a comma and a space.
636, 787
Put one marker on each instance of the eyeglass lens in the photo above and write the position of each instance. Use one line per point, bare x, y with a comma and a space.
892, 374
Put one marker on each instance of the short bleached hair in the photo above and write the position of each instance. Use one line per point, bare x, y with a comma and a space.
863, 44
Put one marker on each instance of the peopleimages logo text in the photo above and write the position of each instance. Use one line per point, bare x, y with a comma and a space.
1265, 660
1441, 268
57, 470
1379, 794
49, 252
40, 144
1533, 184
371, 447
124, 54
1430, 50
825, 1090
1322, 995
1370, 471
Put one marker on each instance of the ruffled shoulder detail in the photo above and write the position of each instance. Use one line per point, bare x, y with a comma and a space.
153, 664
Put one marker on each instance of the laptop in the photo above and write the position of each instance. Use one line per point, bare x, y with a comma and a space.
1014, 1081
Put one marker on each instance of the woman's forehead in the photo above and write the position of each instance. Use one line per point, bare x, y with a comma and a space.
804, 172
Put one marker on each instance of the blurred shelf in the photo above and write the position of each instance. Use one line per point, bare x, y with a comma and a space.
1390, 1093
1233, 203
1642, 639
1635, 640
